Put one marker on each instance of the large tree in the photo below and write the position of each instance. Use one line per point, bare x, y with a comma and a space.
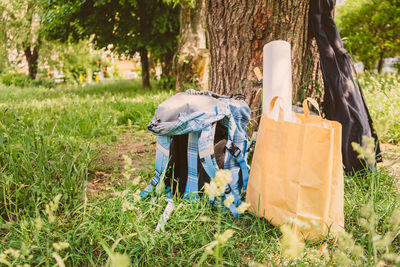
372, 29
21, 20
130, 26
237, 31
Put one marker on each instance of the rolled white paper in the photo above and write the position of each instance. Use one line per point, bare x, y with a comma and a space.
277, 78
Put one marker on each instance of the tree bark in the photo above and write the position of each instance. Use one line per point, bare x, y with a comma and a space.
381, 61
144, 61
32, 56
237, 30
190, 63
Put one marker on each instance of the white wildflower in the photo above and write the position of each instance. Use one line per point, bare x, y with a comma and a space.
3, 256
243, 207
24, 249
52, 207
222, 238
291, 247
127, 205
222, 178
228, 201
128, 169
218, 184
211, 189
3, 259
392, 257
300, 223
12, 252
38, 224
204, 219
137, 180
211, 246
120, 260
366, 150
60, 245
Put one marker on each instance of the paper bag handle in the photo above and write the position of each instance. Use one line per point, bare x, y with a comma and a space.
313, 102
272, 105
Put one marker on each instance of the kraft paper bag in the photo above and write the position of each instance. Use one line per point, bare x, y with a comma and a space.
296, 174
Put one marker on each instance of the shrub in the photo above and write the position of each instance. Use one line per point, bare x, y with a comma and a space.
167, 82
11, 78
16, 79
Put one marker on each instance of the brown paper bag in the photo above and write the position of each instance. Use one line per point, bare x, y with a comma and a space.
296, 174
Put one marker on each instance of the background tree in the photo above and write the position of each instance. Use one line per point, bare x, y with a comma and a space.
22, 24
130, 26
190, 64
237, 31
3, 40
372, 29
72, 58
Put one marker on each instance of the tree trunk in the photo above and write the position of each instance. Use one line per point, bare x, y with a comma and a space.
3, 43
32, 59
144, 61
190, 63
381, 61
237, 31
166, 64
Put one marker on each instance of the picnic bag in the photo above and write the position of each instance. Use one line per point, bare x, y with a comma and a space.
297, 174
200, 132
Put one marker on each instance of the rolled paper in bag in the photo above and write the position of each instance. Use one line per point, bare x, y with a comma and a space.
277, 77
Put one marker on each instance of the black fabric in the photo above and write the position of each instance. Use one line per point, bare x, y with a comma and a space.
221, 136
177, 169
343, 99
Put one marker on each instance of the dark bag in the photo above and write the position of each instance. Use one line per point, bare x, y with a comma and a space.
343, 100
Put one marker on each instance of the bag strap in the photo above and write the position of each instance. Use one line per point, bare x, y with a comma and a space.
281, 112
162, 156
192, 182
206, 150
313, 102
239, 156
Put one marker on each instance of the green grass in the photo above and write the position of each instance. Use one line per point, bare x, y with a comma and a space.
50, 144
382, 93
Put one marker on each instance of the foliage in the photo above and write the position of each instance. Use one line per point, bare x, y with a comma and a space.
167, 82
22, 26
13, 78
73, 59
382, 94
128, 25
372, 29
191, 3
3, 41
16, 79
22, 21
50, 145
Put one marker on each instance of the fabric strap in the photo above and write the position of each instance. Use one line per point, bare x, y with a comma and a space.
191, 190
162, 155
206, 150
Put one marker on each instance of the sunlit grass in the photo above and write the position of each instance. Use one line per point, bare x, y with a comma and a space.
382, 93
49, 141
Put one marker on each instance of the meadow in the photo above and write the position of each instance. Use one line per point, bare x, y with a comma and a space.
73, 159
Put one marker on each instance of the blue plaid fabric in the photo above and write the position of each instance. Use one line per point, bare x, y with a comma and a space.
192, 179
162, 154
206, 150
